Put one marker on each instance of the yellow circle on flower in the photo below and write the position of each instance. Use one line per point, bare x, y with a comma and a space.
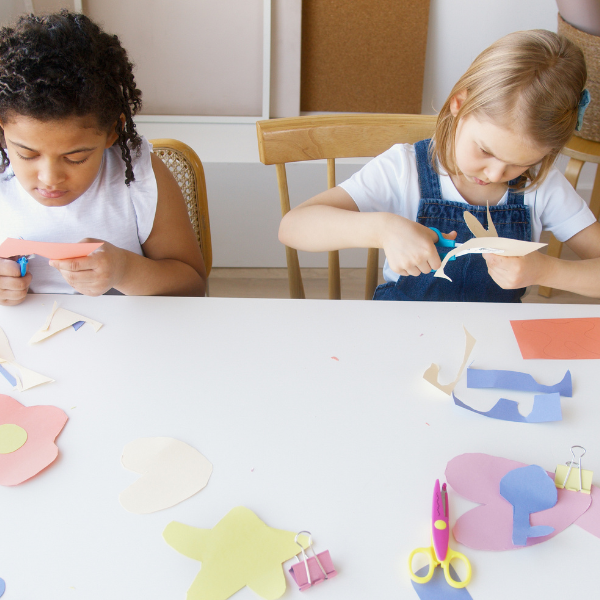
12, 437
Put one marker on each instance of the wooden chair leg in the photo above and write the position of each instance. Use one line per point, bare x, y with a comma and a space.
335, 286
372, 272
554, 250
294, 276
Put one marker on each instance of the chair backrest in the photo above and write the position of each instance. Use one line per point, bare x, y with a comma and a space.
329, 137
187, 169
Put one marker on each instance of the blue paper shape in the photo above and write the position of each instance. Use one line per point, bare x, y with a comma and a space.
77, 325
437, 588
546, 407
8, 376
2, 587
529, 490
514, 380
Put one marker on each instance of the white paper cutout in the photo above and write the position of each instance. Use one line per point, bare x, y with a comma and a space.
59, 319
171, 472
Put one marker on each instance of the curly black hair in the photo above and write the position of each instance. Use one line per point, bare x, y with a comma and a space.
62, 65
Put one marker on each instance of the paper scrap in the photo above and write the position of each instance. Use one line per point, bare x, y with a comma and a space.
562, 339
546, 408
240, 550
8, 376
431, 374
437, 588
477, 477
60, 319
42, 425
55, 251
171, 472
78, 325
529, 490
515, 380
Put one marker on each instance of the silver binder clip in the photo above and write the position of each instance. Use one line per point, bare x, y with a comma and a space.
575, 481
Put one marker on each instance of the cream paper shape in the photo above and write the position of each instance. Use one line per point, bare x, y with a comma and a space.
25, 378
171, 471
59, 319
488, 242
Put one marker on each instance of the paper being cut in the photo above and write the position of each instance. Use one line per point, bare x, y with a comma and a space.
240, 550
20, 378
546, 407
11, 247
487, 242
171, 471
431, 375
59, 319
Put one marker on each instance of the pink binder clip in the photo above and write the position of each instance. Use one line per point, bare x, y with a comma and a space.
314, 569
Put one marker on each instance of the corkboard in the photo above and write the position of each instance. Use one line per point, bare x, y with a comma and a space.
363, 55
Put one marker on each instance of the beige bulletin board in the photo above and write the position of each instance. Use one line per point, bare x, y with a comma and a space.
363, 55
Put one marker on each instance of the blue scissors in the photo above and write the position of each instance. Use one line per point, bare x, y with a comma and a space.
444, 245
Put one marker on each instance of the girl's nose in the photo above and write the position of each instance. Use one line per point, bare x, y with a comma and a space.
51, 174
494, 172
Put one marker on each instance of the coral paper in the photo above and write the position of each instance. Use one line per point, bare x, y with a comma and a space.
564, 339
12, 247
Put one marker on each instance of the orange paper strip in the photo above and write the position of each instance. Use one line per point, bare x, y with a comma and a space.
53, 251
564, 339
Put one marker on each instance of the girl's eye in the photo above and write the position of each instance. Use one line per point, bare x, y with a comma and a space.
25, 157
76, 162
484, 152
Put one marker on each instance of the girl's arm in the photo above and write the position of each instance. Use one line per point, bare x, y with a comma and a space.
331, 221
172, 264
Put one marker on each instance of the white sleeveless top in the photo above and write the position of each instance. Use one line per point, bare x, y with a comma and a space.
108, 210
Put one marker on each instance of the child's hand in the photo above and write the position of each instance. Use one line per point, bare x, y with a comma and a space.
513, 272
13, 287
95, 274
409, 247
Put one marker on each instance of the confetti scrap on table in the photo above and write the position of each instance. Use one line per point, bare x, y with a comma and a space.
59, 319
31, 445
546, 408
54, 251
431, 375
240, 550
477, 477
171, 470
437, 588
335, 358
558, 339
515, 380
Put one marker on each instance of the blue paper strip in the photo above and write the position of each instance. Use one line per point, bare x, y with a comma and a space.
546, 407
529, 490
8, 376
77, 325
2, 587
514, 380
437, 588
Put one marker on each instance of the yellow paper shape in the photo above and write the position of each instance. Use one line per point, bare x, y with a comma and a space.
431, 375
573, 481
60, 319
240, 550
12, 437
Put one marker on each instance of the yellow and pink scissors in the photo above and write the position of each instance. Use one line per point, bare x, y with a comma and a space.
439, 553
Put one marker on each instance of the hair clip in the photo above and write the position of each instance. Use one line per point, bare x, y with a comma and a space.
584, 100
311, 570
579, 480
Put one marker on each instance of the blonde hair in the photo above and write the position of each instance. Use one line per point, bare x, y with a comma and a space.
529, 81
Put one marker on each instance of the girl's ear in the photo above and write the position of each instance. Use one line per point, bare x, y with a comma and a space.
114, 135
457, 101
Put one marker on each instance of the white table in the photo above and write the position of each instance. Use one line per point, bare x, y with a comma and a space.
347, 449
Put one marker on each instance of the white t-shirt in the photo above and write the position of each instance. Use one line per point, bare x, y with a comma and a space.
390, 183
108, 210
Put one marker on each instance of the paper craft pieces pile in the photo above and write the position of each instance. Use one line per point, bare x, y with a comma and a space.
27, 438
487, 241
59, 319
11, 247
171, 472
240, 550
22, 379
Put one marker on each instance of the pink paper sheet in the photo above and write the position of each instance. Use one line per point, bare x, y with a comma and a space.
490, 526
11, 247
42, 424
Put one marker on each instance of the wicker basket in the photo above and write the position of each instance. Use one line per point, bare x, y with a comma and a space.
590, 45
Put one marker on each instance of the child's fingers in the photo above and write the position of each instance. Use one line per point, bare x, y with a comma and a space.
9, 268
73, 264
15, 284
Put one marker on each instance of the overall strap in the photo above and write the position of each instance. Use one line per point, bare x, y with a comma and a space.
515, 197
429, 181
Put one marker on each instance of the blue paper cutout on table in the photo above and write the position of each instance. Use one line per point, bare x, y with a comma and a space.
546, 407
515, 380
78, 324
529, 489
8, 376
437, 588
2, 587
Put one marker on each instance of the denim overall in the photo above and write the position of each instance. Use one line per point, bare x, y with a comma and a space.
470, 279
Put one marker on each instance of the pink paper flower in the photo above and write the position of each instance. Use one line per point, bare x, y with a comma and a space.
27, 439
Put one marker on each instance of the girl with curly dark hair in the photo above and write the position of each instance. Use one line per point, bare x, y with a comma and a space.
72, 163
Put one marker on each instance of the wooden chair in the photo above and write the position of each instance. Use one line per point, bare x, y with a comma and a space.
187, 169
329, 137
580, 151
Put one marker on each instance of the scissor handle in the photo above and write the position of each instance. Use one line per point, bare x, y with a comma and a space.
22, 261
453, 555
432, 564
442, 242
